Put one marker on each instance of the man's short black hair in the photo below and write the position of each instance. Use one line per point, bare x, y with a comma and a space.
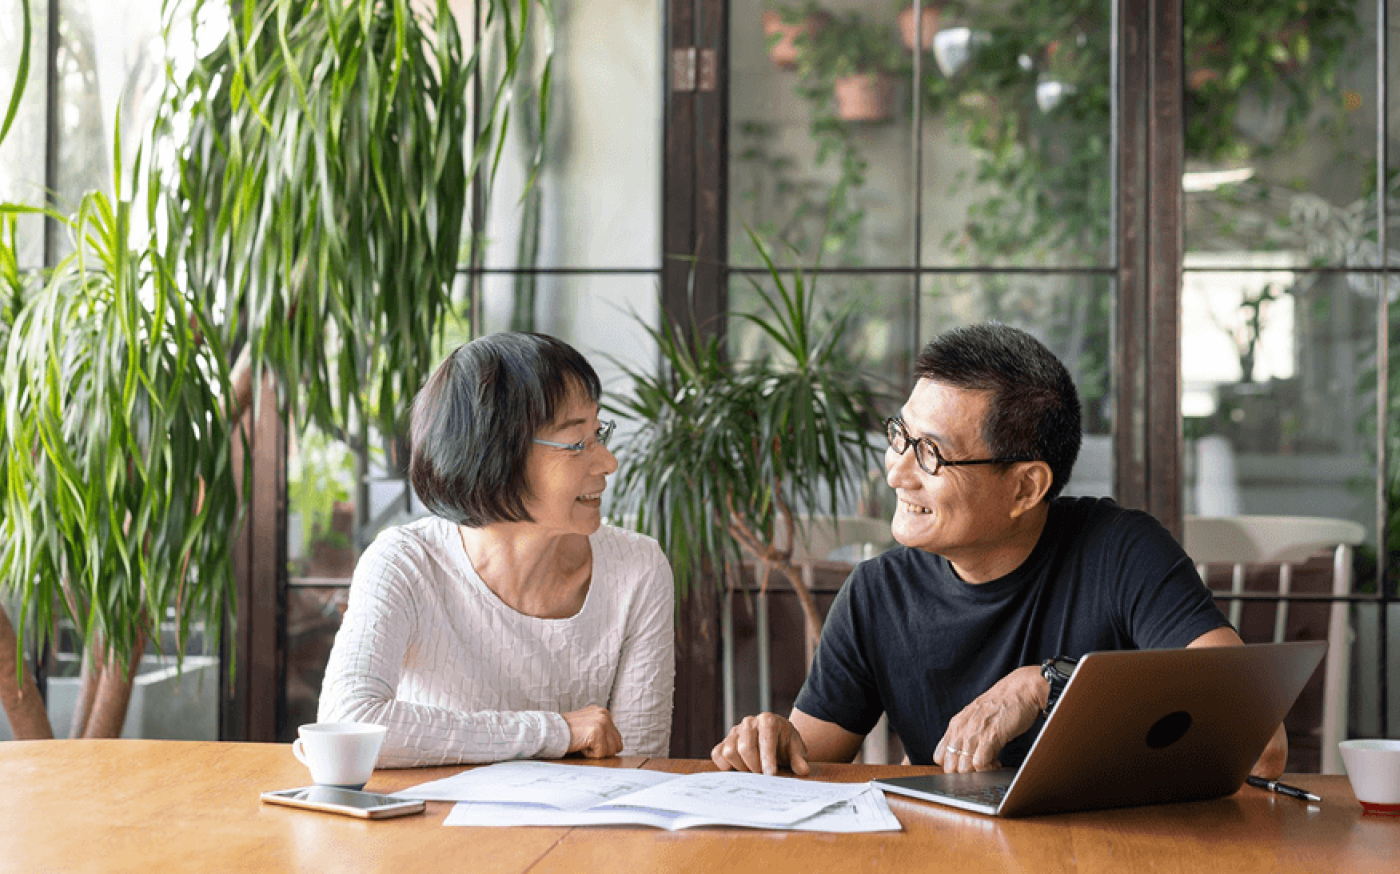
1034, 411
473, 420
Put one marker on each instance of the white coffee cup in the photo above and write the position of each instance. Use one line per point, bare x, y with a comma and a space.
1373, 767
339, 754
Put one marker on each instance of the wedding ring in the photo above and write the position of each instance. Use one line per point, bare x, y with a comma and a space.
955, 751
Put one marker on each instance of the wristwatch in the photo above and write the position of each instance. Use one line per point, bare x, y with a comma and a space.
1057, 672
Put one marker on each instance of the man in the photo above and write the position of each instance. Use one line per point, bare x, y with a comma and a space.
996, 574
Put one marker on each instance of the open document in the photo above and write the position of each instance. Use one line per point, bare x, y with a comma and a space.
543, 793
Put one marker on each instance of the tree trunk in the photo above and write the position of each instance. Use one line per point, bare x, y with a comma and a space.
29, 719
88, 678
241, 381
811, 616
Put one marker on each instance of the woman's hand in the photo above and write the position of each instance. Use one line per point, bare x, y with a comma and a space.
591, 732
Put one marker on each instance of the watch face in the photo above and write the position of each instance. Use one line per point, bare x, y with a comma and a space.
1061, 666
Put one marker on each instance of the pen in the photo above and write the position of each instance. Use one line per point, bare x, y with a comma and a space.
1282, 788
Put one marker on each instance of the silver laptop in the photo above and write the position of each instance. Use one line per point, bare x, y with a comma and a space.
1141, 727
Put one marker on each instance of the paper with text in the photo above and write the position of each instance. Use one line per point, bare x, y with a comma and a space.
866, 812
541, 793
565, 787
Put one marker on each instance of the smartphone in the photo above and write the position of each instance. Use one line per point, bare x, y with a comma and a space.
366, 805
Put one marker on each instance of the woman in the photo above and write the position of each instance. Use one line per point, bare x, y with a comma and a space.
511, 623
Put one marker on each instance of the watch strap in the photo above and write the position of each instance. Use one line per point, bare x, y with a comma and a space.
1056, 672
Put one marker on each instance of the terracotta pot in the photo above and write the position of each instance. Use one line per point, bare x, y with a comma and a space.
930, 26
783, 53
1202, 64
864, 97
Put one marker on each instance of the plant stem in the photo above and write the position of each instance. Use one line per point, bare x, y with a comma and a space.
29, 720
114, 693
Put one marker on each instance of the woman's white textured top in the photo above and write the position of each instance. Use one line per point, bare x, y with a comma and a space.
429, 651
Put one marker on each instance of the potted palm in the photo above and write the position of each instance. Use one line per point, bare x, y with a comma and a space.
311, 216
729, 455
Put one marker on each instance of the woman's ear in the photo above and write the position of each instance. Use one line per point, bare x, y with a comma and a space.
1032, 484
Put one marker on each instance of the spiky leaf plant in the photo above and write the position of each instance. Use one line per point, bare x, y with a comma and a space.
729, 454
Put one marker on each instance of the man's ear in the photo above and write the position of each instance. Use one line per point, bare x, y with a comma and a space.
1032, 483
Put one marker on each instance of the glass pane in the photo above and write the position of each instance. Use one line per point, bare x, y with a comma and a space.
109, 56
596, 201
1017, 135
1390, 281
1280, 127
321, 496
602, 315
22, 154
820, 127
313, 617
1069, 313
1279, 370
878, 337
1278, 403
1367, 667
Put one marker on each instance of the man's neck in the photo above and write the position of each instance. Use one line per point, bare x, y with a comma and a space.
983, 563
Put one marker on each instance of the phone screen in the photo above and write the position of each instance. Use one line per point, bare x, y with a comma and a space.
347, 801
342, 797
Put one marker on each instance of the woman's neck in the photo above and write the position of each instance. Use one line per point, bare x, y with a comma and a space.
545, 575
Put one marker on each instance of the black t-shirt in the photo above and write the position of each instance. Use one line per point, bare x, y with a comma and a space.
907, 637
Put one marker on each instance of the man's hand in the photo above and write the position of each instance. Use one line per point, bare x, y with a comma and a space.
762, 744
976, 735
592, 732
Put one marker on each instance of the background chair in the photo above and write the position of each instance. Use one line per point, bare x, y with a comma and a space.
1287, 541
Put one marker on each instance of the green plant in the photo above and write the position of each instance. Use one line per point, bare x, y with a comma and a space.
21, 74
323, 179
1247, 327
312, 182
844, 45
317, 477
729, 454
120, 491
1253, 46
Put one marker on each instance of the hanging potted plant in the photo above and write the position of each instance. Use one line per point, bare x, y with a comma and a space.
1065, 65
855, 62
925, 22
784, 26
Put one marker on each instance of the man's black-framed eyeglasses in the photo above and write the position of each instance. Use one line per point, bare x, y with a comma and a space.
927, 454
601, 436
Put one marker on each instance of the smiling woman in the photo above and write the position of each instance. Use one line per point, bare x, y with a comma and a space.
511, 623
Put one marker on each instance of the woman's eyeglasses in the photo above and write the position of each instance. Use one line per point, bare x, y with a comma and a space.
600, 437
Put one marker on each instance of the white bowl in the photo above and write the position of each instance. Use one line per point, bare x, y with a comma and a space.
1373, 766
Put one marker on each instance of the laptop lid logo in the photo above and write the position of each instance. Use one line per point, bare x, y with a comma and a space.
1168, 730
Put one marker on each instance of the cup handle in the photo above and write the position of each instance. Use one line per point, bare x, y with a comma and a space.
297, 751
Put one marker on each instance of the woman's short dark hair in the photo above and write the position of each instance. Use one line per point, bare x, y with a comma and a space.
473, 420
1034, 411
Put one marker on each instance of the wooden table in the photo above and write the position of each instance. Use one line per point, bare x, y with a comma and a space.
135, 805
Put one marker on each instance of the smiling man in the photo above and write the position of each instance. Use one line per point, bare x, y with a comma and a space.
998, 583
